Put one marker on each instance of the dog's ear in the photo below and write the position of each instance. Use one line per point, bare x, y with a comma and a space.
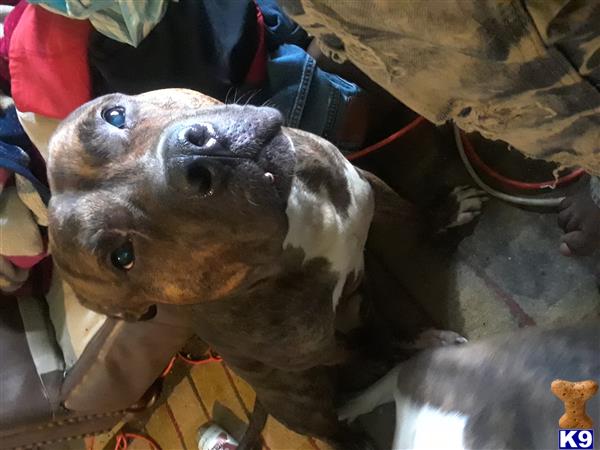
72, 219
58, 211
61, 163
62, 224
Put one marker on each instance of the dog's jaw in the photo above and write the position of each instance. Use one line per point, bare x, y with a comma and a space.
321, 230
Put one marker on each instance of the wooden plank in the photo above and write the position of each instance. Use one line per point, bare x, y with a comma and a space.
219, 397
162, 430
187, 412
245, 393
278, 437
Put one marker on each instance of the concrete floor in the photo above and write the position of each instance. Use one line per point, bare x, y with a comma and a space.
506, 272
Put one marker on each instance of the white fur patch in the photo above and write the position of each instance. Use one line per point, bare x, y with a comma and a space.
316, 227
418, 427
423, 427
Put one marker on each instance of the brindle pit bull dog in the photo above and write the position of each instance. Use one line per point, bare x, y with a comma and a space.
172, 197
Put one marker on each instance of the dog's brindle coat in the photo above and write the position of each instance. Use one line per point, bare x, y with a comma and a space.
258, 228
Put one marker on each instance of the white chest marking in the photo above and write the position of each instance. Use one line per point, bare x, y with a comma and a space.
320, 230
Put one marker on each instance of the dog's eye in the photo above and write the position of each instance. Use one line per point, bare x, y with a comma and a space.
123, 257
115, 116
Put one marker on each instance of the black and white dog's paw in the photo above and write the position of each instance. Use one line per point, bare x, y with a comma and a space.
468, 202
434, 338
375, 395
438, 338
461, 207
355, 407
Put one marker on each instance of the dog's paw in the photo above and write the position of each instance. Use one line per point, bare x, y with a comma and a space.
438, 338
468, 202
434, 338
365, 402
352, 409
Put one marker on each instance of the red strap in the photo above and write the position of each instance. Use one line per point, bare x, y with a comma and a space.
257, 73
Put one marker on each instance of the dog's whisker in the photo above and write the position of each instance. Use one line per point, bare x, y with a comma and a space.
269, 102
254, 94
235, 96
249, 94
241, 98
227, 95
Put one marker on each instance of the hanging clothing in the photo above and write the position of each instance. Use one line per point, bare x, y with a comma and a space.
22, 243
11, 276
19, 157
127, 21
218, 48
309, 98
207, 46
526, 72
39, 129
23, 204
280, 28
15, 159
48, 63
9, 25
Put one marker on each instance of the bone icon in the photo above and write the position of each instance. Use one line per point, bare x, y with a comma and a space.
574, 394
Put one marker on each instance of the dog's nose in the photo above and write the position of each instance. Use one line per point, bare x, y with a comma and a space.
199, 135
202, 140
201, 151
197, 158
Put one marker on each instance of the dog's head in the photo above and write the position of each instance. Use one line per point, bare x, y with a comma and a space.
172, 197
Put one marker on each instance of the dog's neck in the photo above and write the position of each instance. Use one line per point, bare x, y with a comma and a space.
329, 214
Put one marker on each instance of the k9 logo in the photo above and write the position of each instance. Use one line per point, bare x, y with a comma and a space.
571, 439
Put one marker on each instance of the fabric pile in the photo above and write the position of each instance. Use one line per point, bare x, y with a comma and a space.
56, 55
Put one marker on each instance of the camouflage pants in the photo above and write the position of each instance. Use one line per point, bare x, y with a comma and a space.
523, 71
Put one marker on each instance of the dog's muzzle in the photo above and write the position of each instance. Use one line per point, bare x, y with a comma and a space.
199, 152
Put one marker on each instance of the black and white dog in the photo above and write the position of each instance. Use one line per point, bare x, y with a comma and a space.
492, 394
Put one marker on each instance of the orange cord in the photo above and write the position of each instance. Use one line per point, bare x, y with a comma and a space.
391, 138
122, 442
509, 183
212, 357
168, 368
504, 181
